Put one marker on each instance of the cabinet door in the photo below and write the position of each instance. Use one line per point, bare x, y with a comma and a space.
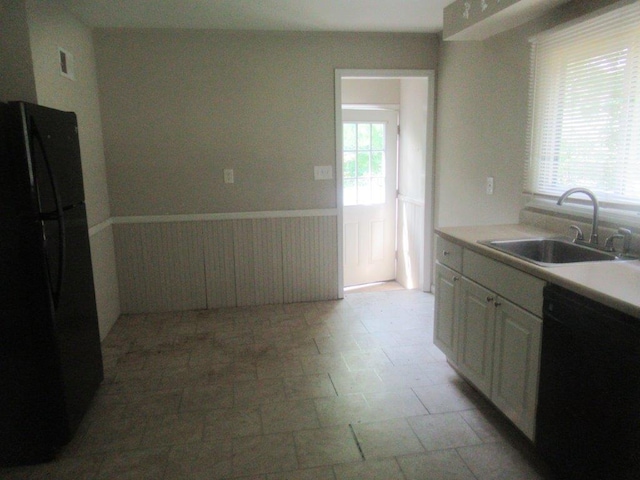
476, 331
445, 329
516, 365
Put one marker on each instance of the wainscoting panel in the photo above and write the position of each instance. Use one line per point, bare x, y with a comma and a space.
258, 261
310, 258
160, 266
166, 265
217, 238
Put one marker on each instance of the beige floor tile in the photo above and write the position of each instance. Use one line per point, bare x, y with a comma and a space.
439, 465
317, 473
363, 360
370, 470
501, 461
326, 446
113, 434
444, 430
440, 372
489, 425
336, 344
368, 341
232, 422
264, 454
245, 393
199, 398
200, 461
257, 392
308, 386
448, 397
154, 403
404, 376
210, 355
396, 404
409, 355
159, 360
289, 416
279, 367
341, 410
359, 381
135, 465
322, 364
387, 439
177, 429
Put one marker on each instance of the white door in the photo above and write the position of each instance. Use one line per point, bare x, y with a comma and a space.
370, 143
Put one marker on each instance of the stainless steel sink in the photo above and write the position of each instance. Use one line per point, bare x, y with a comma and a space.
550, 251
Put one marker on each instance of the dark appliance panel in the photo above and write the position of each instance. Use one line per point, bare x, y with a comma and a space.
50, 358
588, 418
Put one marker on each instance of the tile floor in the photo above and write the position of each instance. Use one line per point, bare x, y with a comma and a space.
350, 389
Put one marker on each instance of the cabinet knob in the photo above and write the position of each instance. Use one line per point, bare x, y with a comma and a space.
445, 253
497, 304
490, 299
455, 279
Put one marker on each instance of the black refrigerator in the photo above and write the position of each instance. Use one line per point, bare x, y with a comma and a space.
50, 357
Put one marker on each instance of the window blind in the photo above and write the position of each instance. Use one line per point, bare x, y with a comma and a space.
584, 111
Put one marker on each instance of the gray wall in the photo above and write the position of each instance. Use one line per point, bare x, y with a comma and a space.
482, 121
17, 81
180, 106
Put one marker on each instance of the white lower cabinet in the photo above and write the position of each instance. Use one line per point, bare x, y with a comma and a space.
476, 331
516, 364
445, 331
493, 342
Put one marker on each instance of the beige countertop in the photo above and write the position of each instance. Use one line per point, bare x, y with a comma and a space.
616, 284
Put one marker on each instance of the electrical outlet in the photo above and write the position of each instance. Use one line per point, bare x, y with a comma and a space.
228, 175
489, 185
323, 172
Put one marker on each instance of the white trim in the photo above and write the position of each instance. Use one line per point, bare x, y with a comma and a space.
369, 106
98, 227
428, 260
339, 184
199, 217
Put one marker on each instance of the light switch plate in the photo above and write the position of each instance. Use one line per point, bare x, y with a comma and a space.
489, 185
323, 172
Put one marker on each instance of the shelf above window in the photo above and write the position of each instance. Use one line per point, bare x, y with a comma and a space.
481, 19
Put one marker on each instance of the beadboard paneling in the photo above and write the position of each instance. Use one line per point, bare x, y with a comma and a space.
193, 264
258, 261
310, 258
217, 238
160, 266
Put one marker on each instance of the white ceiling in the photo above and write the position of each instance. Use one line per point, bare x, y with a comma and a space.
295, 15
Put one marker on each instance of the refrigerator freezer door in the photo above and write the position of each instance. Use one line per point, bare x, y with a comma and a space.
53, 151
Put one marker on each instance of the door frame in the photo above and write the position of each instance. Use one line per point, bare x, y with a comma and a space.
429, 75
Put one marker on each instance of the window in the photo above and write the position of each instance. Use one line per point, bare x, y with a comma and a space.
585, 108
363, 163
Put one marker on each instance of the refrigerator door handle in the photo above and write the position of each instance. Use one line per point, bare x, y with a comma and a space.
58, 216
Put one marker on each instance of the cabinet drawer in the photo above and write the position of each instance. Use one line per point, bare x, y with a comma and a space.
521, 288
449, 253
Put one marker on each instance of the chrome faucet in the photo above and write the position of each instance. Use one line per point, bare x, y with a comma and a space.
594, 200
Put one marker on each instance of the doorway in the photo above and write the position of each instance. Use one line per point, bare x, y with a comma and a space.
370, 92
369, 172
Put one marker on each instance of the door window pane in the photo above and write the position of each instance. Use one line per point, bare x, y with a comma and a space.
349, 165
363, 157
